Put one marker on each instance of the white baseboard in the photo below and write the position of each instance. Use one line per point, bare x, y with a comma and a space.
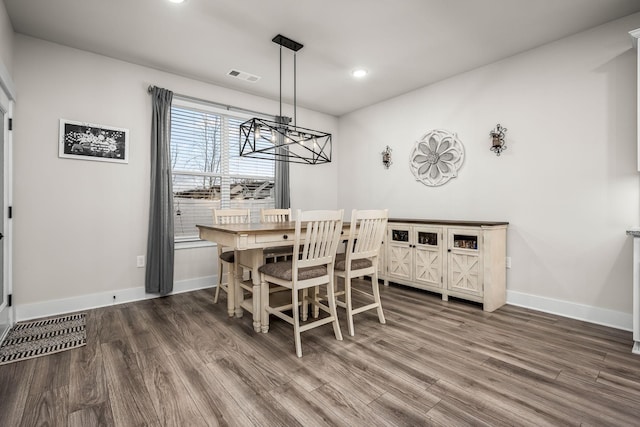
102, 299
600, 316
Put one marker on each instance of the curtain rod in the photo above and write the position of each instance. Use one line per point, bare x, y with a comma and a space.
218, 105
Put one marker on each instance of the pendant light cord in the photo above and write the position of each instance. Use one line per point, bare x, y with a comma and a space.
295, 108
295, 87
280, 80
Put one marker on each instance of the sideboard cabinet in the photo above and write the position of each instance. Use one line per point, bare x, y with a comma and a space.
463, 259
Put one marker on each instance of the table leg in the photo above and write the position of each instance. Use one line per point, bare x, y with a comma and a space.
257, 259
231, 288
257, 307
249, 259
239, 294
239, 298
264, 299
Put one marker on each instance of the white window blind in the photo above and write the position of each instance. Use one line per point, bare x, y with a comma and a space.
208, 171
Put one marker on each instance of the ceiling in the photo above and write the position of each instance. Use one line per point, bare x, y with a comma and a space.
405, 44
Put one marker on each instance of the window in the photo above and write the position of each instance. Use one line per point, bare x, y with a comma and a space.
208, 171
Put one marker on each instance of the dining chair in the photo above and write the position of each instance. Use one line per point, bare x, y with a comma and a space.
244, 290
270, 216
366, 233
317, 234
227, 257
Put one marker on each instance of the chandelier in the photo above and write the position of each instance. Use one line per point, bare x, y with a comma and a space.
282, 140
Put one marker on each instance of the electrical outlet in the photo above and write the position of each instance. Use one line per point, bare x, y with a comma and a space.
508, 262
140, 261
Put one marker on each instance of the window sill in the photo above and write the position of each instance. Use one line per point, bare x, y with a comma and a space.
191, 244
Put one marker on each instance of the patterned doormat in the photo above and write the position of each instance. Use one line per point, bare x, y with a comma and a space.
27, 340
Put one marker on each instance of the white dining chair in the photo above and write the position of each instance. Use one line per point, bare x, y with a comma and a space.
317, 235
227, 257
271, 216
366, 233
244, 290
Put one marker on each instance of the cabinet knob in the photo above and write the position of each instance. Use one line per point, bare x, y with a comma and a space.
285, 237
448, 250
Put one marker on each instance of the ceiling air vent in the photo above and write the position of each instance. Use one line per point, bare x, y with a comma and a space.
243, 76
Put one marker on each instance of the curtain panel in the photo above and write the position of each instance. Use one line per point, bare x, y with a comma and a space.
160, 240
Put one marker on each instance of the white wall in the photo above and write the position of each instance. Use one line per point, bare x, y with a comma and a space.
567, 183
79, 225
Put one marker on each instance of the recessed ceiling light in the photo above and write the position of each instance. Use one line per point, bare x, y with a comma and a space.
176, 1
359, 72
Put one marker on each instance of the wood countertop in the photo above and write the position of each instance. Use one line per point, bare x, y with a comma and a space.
449, 222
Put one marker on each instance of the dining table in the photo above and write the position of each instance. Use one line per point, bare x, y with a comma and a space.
248, 241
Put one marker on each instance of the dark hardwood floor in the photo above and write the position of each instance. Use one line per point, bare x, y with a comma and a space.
181, 361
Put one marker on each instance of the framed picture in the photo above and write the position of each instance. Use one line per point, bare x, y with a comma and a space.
87, 141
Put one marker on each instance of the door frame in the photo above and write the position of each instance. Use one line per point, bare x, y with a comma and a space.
7, 100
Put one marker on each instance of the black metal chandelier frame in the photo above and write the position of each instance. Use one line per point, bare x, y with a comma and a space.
299, 145
279, 140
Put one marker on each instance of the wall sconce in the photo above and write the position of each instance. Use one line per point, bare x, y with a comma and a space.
497, 139
386, 157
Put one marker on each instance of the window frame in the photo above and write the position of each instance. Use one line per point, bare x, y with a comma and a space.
225, 177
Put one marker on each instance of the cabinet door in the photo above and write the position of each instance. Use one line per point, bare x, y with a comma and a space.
464, 261
428, 256
399, 262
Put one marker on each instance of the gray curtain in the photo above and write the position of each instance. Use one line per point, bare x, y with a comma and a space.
159, 273
282, 191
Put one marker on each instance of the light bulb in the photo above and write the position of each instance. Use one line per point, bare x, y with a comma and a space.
359, 73
256, 133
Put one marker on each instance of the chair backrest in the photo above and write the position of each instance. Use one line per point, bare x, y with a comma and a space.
274, 215
231, 216
317, 237
367, 229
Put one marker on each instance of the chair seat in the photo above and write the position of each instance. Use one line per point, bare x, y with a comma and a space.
278, 251
356, 264
283, 270
228, 256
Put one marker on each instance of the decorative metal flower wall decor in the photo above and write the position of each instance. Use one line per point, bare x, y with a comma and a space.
437, 157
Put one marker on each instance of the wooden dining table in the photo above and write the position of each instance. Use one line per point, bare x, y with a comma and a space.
249, 241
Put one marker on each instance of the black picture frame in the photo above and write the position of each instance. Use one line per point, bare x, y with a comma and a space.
89, 141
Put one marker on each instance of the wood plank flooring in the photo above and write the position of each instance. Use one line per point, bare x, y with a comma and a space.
180, 361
